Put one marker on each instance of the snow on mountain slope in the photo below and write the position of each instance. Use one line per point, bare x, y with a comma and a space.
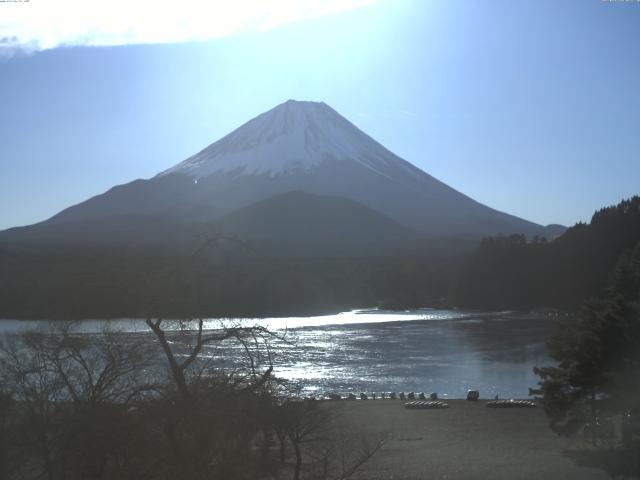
308, 147
292, 137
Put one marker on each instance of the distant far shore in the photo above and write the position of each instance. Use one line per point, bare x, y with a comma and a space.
301, 313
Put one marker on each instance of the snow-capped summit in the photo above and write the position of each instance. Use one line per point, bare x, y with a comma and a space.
304, 147
294, 136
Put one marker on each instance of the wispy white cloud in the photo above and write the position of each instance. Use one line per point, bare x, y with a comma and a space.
43, 24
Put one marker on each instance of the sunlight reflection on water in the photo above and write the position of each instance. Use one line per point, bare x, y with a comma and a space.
427, 350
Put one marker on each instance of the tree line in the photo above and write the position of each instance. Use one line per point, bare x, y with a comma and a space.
595, 382
520, 273
213, 283
512, 272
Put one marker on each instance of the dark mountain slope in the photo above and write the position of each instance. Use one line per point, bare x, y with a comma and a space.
302, 224
289, 224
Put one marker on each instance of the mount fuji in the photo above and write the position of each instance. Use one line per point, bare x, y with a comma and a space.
285, 166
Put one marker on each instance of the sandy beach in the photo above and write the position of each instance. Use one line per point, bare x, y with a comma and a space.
465, 441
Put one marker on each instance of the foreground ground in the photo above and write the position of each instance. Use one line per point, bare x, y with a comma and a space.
465, 441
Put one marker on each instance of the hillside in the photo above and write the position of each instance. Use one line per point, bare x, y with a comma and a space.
303, 224
511, 272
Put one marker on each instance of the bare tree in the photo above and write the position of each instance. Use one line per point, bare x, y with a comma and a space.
344, 454
70, 393
79, 406
322, 449
196, 419
239, 334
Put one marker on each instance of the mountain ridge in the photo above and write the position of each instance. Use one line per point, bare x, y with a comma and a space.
304, 146
338, 222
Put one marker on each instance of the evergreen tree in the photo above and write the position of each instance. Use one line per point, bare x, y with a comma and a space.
509, 272
598, 355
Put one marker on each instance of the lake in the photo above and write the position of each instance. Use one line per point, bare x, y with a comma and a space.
425, 350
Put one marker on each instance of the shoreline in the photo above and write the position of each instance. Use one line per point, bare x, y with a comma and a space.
468, 440
546, 312
512, 314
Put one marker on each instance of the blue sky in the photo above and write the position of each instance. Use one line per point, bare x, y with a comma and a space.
532, 108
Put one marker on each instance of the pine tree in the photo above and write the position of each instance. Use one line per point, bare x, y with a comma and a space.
598, 355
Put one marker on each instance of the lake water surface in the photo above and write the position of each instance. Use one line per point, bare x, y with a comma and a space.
428, 350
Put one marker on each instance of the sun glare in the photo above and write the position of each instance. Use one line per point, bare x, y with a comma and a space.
44, 25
